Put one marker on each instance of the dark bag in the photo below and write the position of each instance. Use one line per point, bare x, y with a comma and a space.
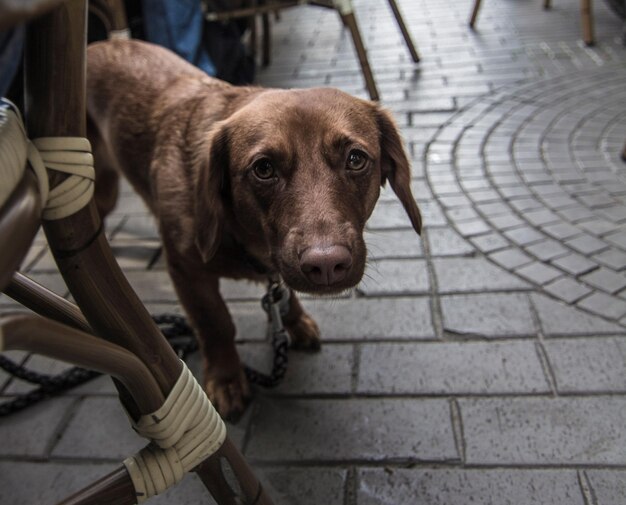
229, 54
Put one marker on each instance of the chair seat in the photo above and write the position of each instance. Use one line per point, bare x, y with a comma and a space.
13, 149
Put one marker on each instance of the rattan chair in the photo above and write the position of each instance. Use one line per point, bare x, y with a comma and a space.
345, 10
108, 329
586, 18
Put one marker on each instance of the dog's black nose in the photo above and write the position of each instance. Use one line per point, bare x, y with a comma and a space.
326, 265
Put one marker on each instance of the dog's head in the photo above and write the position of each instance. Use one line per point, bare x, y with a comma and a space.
295, 175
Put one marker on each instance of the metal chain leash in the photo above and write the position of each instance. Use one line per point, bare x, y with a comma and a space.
182, 339
276, 303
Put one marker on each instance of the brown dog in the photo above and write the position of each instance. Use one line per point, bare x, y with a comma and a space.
243, 182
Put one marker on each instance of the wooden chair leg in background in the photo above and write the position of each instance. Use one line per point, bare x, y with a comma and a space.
474, 15
586, 17
405, 32
547, 4
266, 40
349, 20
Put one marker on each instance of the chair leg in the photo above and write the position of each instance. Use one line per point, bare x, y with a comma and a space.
624, 152
474, 15
266, 40
404, 30
55, 74
586, 13
349, 21
547, 4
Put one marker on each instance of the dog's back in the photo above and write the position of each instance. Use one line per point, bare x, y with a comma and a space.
134, 91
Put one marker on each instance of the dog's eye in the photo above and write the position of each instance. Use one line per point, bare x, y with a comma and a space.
264, 170
356, 160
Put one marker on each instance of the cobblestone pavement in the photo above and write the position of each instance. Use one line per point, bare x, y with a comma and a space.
484, 363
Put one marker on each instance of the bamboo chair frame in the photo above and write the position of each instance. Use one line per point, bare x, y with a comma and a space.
344, 8
109, 329
586, 18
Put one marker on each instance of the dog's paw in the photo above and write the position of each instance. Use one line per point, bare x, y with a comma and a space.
229, 396
305, 334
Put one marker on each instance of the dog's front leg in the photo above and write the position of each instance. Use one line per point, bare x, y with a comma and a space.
224, 379
304, 332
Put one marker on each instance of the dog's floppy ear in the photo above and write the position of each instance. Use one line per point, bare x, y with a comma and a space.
211, 169
395, 166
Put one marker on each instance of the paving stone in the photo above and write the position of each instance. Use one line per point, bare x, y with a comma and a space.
155, 286
617, 238
44, 262
597, 227
606, 280
561, 231
137, 227
135, 254
483, 195
363, 318
392, 215
39, 364
575, 264
338, 430
396, 277
534, 431
473, 274
510, 258
612, 258
53, 281
326, 372
473, 227
559, 319
308, 486
462, 214
232, 289
489, 242
605, 305
99, 429
525, 204
586, 244
609, 486
524, 235
489, 315
55, 480
459, 487
505, 221
446, 242
17, 357
31, 432
540, 217
393, 244
616, 214
450, 368
547, 250
567, 289
538, 273
588, 365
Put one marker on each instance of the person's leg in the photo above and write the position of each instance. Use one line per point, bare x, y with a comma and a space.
178, 26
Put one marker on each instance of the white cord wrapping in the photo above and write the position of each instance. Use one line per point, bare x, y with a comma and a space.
70, 155
13, 145
123, 34
183, 432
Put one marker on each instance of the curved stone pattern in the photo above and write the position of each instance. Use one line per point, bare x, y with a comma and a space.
532, 177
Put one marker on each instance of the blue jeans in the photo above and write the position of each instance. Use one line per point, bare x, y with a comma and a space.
177, 25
